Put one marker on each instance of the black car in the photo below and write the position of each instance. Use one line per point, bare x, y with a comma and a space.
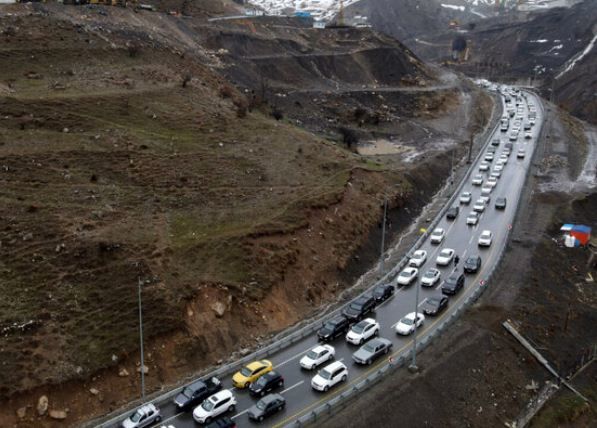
194, 394
357, 310
452, 213
495, 142
472, 264
434, 305
453, 283
383, 292
500, 204
335, 327
268, 405
266, 383
222, 423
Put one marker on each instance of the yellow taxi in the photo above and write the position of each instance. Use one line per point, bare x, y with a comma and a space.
250, 373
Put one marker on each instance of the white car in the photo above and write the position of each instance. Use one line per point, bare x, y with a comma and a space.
495, 174
437, 236
521, 154
418, 258
513, 135
486, 189
329, 376
407, 276
479, 206
485, 198
498, 168
503, 159
445, 257
488, 157
528, 135
484, 166
506, 152
466, 197
362, 331
430, 277
219, 403
485, 238
477, 180
143, 416
409, 322
491, 181
472, 219
317, 356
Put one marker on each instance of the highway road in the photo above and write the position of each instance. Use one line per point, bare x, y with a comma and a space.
300, 397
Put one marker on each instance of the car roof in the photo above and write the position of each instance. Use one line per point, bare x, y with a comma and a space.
220, 395
271, 375
271, 397
337, 319
362, 299
318, 348
256, 364
486, 232
334, 366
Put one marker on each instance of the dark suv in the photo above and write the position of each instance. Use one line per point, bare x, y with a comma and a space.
335, 327
500, 204
196, 392
383, 292
453, 284
266, 383
222, 423
452, 213
472, 264
357, 310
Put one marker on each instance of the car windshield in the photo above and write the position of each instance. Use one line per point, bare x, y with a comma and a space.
136, 416
207, 405
430, 274
358, 328
262, 381
369, 347
356, 306
312, 354
187, 392
433, 301
245, 371
405, 273
407, 321
437, 233
261, 405
446, 252
471, 260
325, 374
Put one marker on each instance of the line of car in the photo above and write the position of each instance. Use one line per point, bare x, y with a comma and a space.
209, 400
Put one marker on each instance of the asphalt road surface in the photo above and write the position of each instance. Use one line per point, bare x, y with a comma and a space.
300, 397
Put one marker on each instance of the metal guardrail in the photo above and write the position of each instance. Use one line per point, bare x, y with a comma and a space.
295, 333
336, 403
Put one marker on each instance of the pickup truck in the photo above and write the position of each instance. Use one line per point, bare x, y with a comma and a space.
194, 394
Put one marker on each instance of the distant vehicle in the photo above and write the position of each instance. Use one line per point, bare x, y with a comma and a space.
486, 190
452, 213
465, 198
360, 307
445, 257
437, 236
407, 276
418, 258
472, 218
225, 422
485, 238
143, 416
488, 157
521, 154
329, 376
513, 135
477, 180
194, 394
317, 356
472, 264
267, 406
431, 277
491, 181
362, 331
495, 142
495, 174
333, 328
491, 149
383, 292
485, 199
453, 284
479, 206
504, 158
267, 383
434, 305
367, 353
508, 146
484, 166
250, 373
219, 403
527, 126
409, 322
528, 135
500, 203
498, 168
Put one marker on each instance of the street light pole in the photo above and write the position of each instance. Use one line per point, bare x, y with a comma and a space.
383, 236
141, 342
413, 365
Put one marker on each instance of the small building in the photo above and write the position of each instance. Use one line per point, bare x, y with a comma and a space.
576, 235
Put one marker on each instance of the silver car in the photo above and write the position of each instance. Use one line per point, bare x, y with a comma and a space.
144, 416
371, 350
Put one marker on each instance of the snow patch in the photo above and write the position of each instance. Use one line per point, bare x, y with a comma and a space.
453, 6
572, 63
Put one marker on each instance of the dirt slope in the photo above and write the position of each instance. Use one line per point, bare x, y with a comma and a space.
127, 153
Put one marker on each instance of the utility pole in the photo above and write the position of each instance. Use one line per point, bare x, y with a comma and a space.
470, 150
413, 365
383, 236
141, 342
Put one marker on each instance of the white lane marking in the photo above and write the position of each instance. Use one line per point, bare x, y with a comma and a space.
439, 285
292, 387
163, 421
471, 240
240, 413
232, 389
464, 255
424, 300
292, 358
